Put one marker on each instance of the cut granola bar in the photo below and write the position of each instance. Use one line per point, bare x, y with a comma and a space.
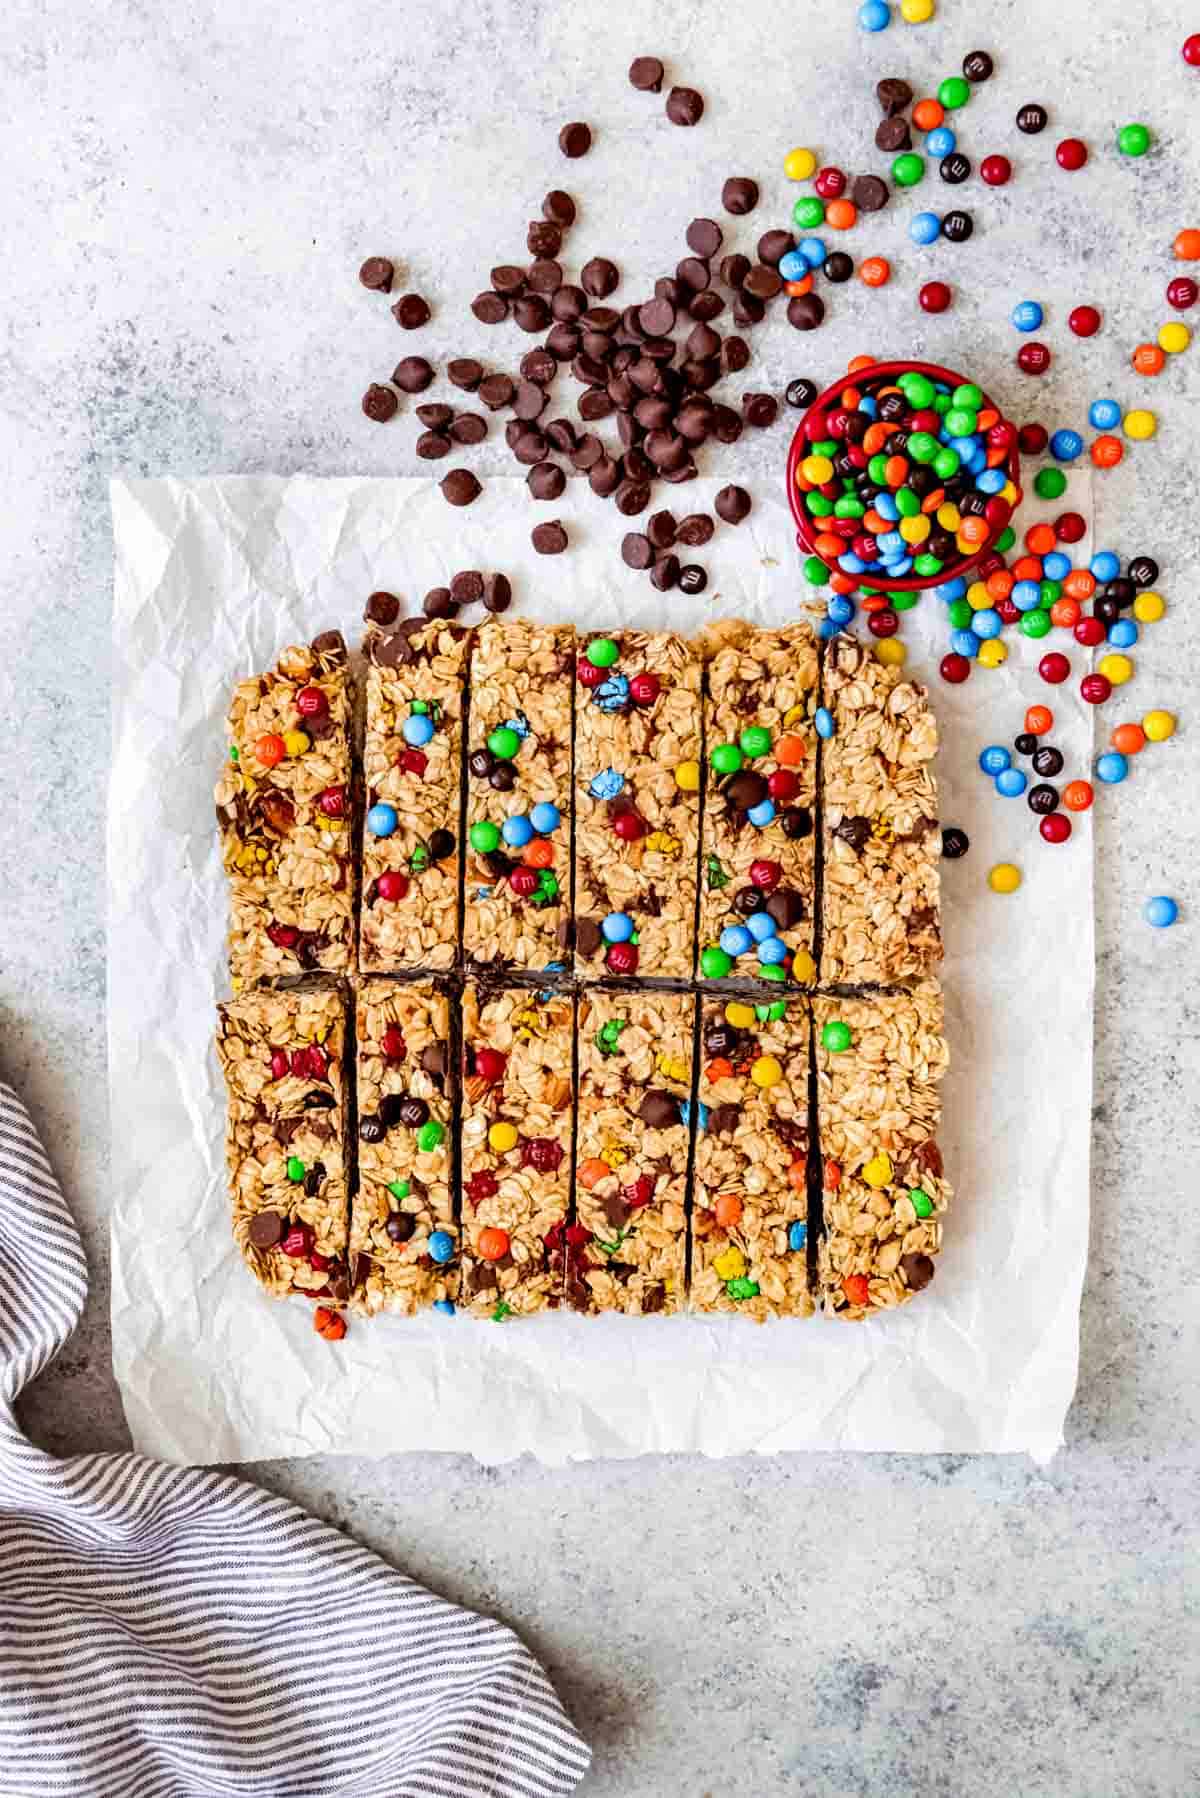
750, 1204
879, 1061
631, 1156
282, 1056
412, 761
757, 876
403, 1239
284, 803
516, 1148
880, 906
518, 873
637, 805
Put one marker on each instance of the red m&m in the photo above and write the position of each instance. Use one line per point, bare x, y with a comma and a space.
1084, 321
1071, 153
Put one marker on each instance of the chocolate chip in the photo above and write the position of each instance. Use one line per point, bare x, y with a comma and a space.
646, 74
763, 282
723, 1120
744, 790
772, 245
616, 1211
549, 539
376, 273
463, 372
692, 578
705, 236
685, 106
266, 1227
594, 405
531, 312
806, 311
599, 277
496, 391
785, 907
435, 418
918, 1270
562, 342
382, 608
466, 587
490, 308
661, 530
575, 140
665, 573
760, 409
560, 434
528, 445
604, 477
801, 393
893, 134
587, 452
839, 267
734, 269
739, 195
727, 426
632, 497
568, 304
559, 208
637, 551
431, 446
543, 238
497, 592
735, 354
538, 366
692, 274
460, 487
380, 403
706, 306
411, 312
657, 317
732, 504
659, 1110
439, 603
893, 94
530, 401
695, 530
870, 194
546, 480
469, 427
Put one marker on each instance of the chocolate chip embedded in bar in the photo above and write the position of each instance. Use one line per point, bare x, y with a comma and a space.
879, 1064
757, 885
281, 1052
631, 1155
750, 1198
517, 1128
637, 805
284, 802
517, 883
412, 758
403, 1236
882, 844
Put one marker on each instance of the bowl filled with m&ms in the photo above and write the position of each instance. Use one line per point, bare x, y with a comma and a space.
901, 476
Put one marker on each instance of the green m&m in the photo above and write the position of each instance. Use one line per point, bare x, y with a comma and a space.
908, 169
755, 740
714, 963
504, 743
602, 652
296, 1169
920, 1200
836, 1037
1133, 140
430, 1135
726, 758
484, 836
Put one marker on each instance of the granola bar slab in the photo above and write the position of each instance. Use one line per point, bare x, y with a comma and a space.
412, 763
757, 894
637, 805
403, 1237
750, 1199
518, 873
879, 1062
517, 1125
882, 844
281, 1053
284, 805
631, 1151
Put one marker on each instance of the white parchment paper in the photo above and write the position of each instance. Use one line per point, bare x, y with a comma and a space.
212, 579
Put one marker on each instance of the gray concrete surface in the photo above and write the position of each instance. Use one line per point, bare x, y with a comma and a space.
187, 193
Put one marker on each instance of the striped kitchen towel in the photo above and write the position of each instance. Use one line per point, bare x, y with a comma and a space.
167, 1632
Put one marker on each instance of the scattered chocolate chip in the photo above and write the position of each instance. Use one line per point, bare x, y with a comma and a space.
435, 418
412, 374
705, 237
539, 366
657, 317
546, 480
870, 194
637, 551
918, 1270
266, 1227
380, 403
382, 608
560, 434
530, 401
531, 312
893, 94
892, 135
661, 530
411, 312
496, 391
432, 446
568, 304
460, 487
439, 603
490, 308
727, 426
599, 277
692, 275
594, 405
469, 427
632, 497
497, 593
559, 208
646, 74
665, 573
734, 269
508, 279
692, 578
695, 530
543, 238
773, 245
685, 106
806, 311
464, 372
587, 452
549, 539
575, 140
529, 446
376, 273
706, 306
563, 342
732, 504
760, 409
466, 587
735, 354
739, 195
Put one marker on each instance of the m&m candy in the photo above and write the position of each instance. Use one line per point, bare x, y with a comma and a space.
1158, 726
1160, 911
1111, 767
1084, 321
996, 170
1004, 878
1133, 140
1027, 316
1071, 153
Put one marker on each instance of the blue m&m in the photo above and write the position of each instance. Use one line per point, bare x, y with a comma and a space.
995, 759
1011, 783
1027, 316
1066, 445
1104, 414
926, 227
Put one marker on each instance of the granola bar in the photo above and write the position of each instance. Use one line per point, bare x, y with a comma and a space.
879, 1061
631, 1154
412, 760
881, 908
516, 1148
284, 802
757, 878
637, 805
518, 873
403, 1239
750, 1204
282, 1056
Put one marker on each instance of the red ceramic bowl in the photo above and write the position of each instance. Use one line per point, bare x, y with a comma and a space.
805, 526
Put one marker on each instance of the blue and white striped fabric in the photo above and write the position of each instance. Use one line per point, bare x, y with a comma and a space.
167, 1632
